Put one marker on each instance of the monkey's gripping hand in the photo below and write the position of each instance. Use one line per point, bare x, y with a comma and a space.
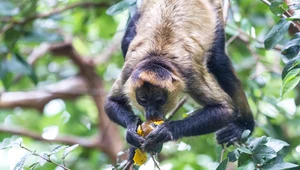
157, 137
131, 135
230, 133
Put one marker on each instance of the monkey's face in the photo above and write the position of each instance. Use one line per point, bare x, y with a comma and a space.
152, 99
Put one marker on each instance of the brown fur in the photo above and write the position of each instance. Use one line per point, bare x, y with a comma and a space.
181, 32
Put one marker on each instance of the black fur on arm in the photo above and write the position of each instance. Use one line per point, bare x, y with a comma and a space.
130, 33
203, 121
119, 110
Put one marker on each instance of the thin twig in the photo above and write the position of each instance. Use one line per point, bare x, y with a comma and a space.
176, 108
128, 165
46, 159
155, 163
285, 15
231, 39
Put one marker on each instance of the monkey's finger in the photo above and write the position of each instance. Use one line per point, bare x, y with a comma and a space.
134, 139
231, 141
225, 129
226, 139
224, 134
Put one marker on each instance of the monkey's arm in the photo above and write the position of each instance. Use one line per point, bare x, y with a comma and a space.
203, 121
219, 113
118, 110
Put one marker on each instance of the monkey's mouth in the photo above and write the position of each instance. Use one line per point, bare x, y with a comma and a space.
155, 118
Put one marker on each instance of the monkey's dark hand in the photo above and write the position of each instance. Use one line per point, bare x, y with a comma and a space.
131, 135
230, 134
157, 137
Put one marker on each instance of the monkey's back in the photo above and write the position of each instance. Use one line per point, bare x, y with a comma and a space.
173, 28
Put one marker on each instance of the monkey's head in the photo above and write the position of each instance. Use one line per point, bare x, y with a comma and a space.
154, 87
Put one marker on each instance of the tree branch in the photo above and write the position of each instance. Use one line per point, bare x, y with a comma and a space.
66, 89
53, 12
113, 143
66, 139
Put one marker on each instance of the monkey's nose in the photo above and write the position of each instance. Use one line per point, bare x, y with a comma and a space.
152, 114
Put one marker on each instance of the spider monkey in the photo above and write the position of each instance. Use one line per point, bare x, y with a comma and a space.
173, 47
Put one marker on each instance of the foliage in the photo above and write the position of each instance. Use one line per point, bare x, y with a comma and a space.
42, 157
290, 52
30, 29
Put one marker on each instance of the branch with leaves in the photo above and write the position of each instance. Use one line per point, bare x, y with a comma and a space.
43, 156
12, 23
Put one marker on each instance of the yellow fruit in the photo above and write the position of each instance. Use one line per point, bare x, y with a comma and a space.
140, 157
158, 122
144, 129
139, 130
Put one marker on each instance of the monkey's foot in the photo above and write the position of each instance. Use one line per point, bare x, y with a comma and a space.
229, 134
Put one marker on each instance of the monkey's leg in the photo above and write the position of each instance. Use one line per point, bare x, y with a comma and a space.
130, 33
220, 66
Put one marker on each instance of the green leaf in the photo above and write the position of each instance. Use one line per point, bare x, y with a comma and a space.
68, 150
244, 150
289, 66
5, 143
223, 165
119, 7
10, 142
233, 156
276, 33
58, 148
290, 81
247, 166
291, 49
21, 163
263, 153
278, 164
276, 144
31, 167
278, 7
16, 64
254, 143
245, 135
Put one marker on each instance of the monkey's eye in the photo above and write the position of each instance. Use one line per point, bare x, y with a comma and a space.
160, 101
142, 102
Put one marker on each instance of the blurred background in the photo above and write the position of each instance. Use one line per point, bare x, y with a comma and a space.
59, 58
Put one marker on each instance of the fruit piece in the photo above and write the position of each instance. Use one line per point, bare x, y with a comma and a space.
139, 130
145, 128
140, 157
158, 122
